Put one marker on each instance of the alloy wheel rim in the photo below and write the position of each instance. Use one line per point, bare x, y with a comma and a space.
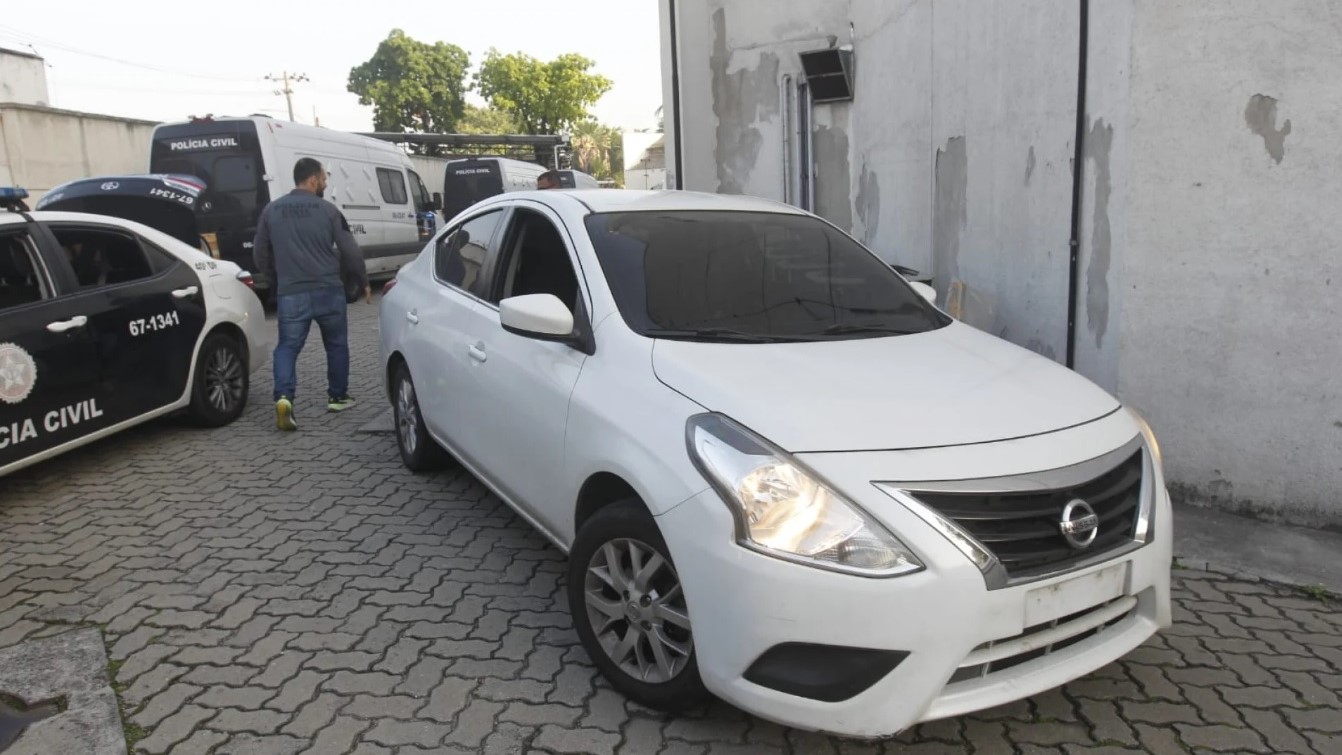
408, 416
224, 380
636, 608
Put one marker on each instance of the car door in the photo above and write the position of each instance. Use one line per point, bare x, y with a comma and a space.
144, 310
445, 311
48, 385
516, 406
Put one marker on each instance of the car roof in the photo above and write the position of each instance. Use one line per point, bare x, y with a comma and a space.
638, 200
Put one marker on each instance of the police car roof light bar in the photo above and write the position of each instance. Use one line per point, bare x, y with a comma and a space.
11, 198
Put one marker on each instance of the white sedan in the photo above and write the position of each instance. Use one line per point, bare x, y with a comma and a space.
106, 323
781, 474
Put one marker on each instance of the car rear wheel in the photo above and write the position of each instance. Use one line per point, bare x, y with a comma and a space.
629, 608
222, 382
419, 451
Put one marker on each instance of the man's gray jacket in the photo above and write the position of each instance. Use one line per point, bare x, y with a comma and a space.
304, 241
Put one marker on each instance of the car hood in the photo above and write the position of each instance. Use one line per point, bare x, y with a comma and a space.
951, 386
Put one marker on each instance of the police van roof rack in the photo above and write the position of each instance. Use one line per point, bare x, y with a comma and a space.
11, 198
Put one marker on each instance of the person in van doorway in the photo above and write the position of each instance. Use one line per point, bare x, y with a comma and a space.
304, 241
548, 180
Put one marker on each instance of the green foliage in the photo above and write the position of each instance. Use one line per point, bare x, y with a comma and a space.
598, 150
413, 86
545, 97
486, 120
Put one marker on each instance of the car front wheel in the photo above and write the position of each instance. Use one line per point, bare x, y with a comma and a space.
418, 450
629, 609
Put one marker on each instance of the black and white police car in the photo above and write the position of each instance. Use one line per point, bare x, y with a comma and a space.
106, 323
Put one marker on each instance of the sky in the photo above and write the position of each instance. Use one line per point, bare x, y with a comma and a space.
166, 61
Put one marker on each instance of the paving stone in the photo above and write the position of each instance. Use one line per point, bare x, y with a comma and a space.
308, 588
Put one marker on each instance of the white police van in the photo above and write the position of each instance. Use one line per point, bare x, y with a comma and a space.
246, 162
106, 323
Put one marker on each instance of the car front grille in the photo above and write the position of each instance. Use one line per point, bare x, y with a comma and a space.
1023, 529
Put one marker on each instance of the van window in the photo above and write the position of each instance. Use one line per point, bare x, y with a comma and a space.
393, 186
422, 197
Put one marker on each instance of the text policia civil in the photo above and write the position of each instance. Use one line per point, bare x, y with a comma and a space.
18, 378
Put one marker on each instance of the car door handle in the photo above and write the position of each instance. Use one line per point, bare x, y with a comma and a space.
412, 318
182, 293
78, 321
477, 353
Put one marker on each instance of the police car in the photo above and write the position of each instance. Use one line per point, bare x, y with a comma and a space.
106, 323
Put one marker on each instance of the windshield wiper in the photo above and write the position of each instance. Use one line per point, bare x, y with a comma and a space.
847, 328
716, 334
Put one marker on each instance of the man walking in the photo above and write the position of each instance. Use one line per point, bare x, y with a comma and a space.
305, 243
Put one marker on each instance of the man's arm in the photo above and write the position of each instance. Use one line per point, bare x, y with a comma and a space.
351, 257
261, 255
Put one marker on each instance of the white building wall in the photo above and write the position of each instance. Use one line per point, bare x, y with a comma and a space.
23, 78
41, 148
1208, 229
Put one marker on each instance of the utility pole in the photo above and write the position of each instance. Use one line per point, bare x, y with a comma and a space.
289, 80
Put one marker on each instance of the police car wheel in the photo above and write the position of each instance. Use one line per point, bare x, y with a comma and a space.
419, 451
219, 392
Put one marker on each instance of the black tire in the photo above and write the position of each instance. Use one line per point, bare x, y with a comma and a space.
222, 382
419, 451
620, 525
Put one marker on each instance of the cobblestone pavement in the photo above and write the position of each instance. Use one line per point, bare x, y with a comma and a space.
267, 593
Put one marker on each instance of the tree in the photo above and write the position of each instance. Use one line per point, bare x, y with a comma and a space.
598, 150
486, 120
545, 97
413, 86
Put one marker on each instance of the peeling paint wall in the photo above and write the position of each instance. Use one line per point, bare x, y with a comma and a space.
1208, 286
1231, 327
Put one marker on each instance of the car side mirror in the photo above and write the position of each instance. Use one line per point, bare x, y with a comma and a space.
540, 316
926, 291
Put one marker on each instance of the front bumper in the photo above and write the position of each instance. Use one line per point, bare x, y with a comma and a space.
997, 644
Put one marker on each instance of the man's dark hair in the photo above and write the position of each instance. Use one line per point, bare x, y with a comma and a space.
550, 177
306, 168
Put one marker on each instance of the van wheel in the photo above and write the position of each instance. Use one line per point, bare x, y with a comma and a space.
222, 381
419, 451
629, 609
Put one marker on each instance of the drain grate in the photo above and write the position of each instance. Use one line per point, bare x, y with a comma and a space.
16, 716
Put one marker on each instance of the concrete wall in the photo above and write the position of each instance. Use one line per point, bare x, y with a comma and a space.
1208, 273
23, 78
1230, 331
953, 158
41, 148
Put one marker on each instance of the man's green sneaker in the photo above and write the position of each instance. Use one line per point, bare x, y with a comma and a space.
339, 404
284, 415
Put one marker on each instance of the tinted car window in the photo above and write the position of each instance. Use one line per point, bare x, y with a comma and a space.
103, 257
716, 275
21, 280
461, 253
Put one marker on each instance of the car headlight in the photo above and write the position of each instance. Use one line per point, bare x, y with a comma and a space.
1146, 520
784, 511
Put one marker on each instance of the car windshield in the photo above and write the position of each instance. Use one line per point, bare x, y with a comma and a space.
751, 277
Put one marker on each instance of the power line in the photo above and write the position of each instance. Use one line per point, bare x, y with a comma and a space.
23, 37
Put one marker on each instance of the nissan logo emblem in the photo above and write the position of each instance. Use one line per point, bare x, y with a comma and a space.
1080, 525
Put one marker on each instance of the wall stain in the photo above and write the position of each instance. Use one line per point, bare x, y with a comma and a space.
1043, 349
1261, 116
833, 180
740, 100
1029, 165
868, 203
1099, 143
949, 212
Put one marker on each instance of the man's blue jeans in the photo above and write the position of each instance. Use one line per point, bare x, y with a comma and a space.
295, 314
